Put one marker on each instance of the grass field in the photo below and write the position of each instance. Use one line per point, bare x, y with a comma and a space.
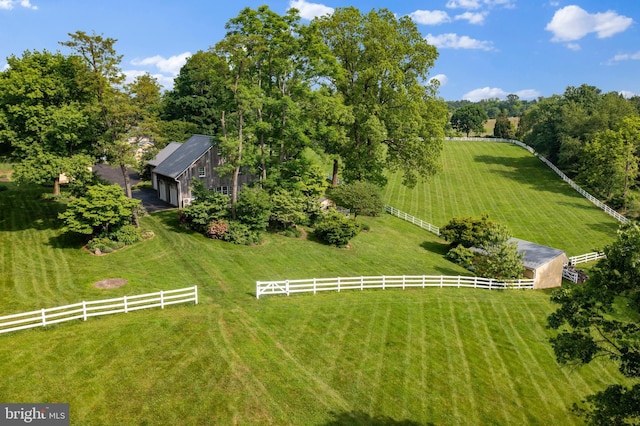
434, 356
514, 188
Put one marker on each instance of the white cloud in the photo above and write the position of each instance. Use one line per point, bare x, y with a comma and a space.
169, 65
163, 80
528, 94
477, 4
463, 4
624, 57
627, 94
10, 4
573, 23
484, 93
454, 41
509, 4
495, 92
443, 79
473, 18
310, 10
573, 46
430, 17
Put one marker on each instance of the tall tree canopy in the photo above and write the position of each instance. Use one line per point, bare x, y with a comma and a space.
46, 115
600, 319
397, 121
469, 118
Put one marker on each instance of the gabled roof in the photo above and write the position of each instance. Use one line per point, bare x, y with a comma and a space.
164, 153
535, 255
184, 156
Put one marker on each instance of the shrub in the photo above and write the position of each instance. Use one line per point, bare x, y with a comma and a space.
362, 198
103, 245
127, 234
462, 256
254, 208
239, 233
217, 229
336, 229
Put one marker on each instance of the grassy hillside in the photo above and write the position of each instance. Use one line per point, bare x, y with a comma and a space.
433, 356
514, 188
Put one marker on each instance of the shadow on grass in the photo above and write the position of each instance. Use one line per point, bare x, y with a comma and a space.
359, 418
527, 171
435, 247
24, 208
68, 240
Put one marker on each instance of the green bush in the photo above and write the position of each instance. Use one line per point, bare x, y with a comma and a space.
462, 256
128, 234
362, 198
104, 245
336, 229
239, 233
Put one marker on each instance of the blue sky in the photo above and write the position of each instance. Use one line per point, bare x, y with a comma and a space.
487, 48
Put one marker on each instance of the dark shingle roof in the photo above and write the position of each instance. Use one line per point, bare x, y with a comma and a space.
164, 153
535, 255
183, 157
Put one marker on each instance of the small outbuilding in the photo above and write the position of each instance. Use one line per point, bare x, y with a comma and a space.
176, 167
542, 264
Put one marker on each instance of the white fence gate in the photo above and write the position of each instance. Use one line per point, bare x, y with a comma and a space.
84, 310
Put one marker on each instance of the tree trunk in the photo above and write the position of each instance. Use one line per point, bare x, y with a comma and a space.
334, 175
236, 171
127, 182
56, 186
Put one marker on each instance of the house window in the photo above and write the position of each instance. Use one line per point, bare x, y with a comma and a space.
202, 172
223, 190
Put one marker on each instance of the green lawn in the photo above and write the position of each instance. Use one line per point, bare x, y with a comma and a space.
514, 188
432, 356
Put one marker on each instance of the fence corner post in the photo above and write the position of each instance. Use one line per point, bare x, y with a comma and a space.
195, 292
84, 310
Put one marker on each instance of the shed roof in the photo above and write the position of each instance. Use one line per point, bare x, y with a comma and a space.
184, 156
164, 153
536, 255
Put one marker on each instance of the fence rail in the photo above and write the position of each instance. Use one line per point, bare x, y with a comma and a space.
315, 285
588, 257
421, 223
86, 309
620, 218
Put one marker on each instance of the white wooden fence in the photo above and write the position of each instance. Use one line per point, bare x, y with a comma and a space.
84, 310
315, 285
421, 223
585, 194
588, 257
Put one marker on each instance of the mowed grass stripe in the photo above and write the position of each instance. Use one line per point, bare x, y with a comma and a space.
498, 380
514, 188
533, 376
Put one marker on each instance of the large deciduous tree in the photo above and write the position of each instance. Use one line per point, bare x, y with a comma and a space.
396, 120
469, 118
600, 319
104, 79
45, 115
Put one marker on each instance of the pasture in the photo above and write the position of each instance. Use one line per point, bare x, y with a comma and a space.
514, 188
433, 356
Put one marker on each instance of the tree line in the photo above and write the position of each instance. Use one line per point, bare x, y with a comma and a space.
269, 90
